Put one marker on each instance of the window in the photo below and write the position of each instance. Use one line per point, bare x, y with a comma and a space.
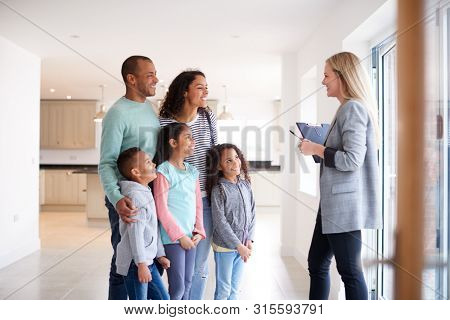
436, 154
384, 57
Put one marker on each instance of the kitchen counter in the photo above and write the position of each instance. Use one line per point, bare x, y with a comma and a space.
95, 197
262, 166
266, 179
93, 169
82, 168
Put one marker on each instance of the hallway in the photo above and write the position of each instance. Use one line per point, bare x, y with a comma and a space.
73, 263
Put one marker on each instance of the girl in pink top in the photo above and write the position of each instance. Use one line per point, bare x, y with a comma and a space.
178, 205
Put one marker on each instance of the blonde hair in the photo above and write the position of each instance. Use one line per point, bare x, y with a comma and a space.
356, 84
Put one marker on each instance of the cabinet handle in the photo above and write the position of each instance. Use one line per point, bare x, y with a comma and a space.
84, 190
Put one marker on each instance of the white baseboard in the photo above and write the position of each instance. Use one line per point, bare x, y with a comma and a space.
18, 253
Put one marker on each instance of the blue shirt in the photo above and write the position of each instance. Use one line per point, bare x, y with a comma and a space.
181, 198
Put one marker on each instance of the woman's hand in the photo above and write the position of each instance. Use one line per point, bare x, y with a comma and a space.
309, 148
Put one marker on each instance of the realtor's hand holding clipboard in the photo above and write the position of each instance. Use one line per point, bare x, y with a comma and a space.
313, 138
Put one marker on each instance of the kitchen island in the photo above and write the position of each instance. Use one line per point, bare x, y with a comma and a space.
72, 188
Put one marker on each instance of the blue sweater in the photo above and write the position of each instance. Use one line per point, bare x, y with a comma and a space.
127, 124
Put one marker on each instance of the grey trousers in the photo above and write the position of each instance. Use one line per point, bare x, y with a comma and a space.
181, 271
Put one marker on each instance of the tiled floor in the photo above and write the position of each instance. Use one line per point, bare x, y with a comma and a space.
74, 264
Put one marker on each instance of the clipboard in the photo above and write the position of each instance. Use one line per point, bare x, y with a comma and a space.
314, 133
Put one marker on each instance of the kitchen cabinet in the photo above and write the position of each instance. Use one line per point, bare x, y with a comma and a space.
67, 124
62, 187
95, 206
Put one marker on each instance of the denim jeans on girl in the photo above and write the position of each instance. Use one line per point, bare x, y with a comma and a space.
229, 269
153, 290
181, 270
200, 277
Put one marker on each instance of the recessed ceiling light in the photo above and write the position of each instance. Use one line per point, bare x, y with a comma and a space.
69, 97
52, 90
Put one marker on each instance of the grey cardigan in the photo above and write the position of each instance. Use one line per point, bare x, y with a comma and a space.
233, 213
140, 241
349, 188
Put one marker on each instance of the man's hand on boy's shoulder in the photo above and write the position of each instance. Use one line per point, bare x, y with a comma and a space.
164, 262
126, 209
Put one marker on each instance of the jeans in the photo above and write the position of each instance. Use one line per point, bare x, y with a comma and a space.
180, 272
200, 277
346, 247
154, 290
117, 288
229, 269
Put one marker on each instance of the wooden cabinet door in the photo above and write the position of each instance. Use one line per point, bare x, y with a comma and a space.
70, 120
51, 187
44, 125
67, 124
62, 187
55, 126
85, 125
81, 189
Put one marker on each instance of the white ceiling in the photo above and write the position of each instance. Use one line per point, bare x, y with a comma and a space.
235, 42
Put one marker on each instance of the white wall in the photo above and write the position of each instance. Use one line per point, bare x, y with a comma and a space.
19, 144
289, 200
298, 219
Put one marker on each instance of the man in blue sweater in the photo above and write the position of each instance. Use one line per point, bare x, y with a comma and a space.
130, 122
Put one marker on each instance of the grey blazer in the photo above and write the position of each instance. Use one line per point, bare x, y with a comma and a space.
349, 186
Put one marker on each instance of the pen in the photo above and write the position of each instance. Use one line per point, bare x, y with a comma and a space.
301, 139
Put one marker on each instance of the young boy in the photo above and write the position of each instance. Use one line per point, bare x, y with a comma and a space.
140, 241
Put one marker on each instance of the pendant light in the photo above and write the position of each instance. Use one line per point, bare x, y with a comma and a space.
101, 114
225, 115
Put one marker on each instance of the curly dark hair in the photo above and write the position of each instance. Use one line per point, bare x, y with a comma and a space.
163, 148
213, 174
174, 99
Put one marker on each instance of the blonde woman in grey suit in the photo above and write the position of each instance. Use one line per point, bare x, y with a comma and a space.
349, 180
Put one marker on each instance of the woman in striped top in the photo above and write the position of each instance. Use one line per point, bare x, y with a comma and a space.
186, 102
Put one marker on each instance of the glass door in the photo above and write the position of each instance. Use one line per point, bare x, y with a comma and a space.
434, 273
435, 281
385, 56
